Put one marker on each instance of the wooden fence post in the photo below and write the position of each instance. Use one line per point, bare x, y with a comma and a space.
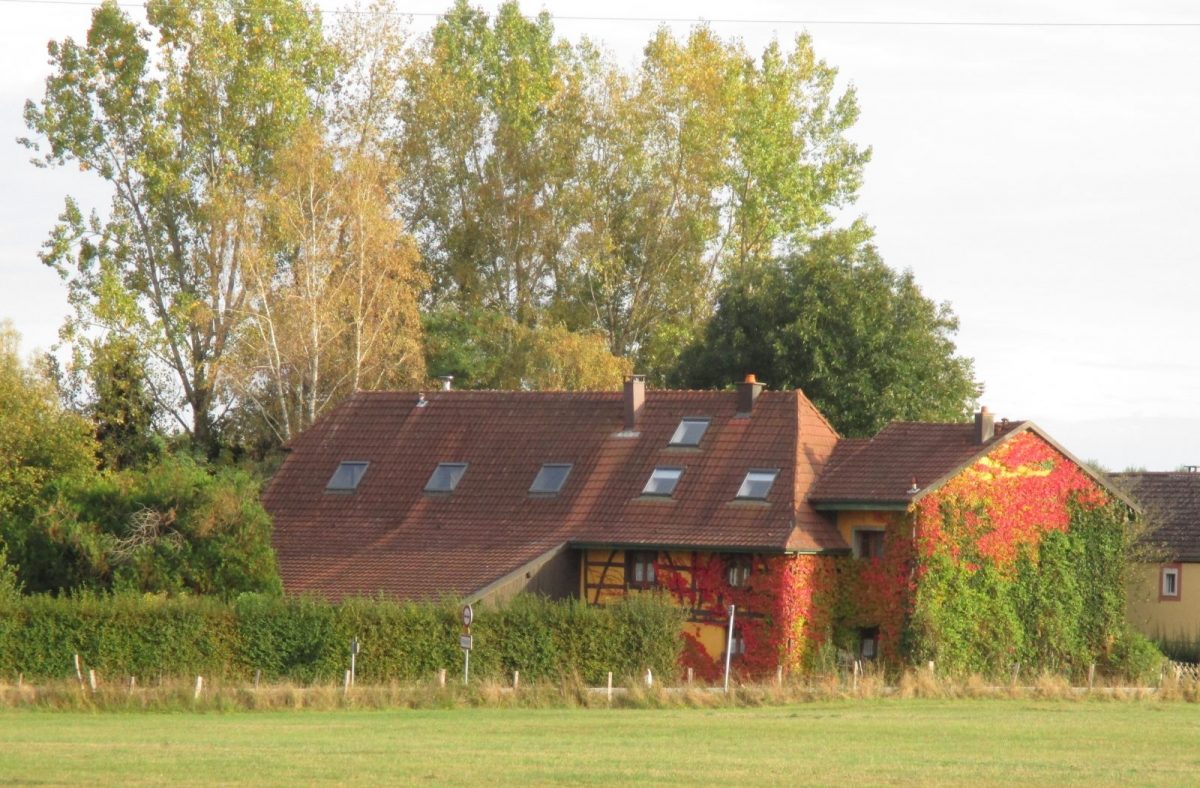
92, 680
78, 671
691, 675
346, 685
1091, 675
649, 678
610, 688
199, 688
442, 677
257, 676
516, 679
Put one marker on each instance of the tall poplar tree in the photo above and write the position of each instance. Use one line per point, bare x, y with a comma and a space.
184, 119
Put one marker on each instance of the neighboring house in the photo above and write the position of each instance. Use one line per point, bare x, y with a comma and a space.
744, 498
1164, 603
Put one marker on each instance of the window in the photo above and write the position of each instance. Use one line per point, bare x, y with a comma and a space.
757, 484
662, 481
446, 477
639, 569
550, 479
1169, 582
347, 477
737, 571
868, 543
690, 431
868, 640
737, 646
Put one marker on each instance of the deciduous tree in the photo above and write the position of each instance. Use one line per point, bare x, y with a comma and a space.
186, 133
861, 340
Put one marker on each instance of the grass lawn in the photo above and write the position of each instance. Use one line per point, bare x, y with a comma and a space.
988, 741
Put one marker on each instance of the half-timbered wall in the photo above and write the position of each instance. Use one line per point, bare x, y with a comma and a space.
783, 602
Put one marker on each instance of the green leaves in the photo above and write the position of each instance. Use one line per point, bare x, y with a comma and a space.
1060, 609
862, 341
184, 134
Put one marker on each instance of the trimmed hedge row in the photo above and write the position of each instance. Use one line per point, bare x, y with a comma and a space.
307, 640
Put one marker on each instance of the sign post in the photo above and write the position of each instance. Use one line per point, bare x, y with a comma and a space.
465, 641
729, 645
353, 656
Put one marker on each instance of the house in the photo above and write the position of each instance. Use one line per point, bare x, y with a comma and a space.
1164, 602
744, 498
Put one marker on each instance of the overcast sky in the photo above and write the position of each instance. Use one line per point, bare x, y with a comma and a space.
1043, 178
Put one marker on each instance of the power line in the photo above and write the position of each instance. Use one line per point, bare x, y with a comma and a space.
737, 21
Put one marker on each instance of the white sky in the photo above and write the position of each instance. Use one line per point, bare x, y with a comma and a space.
1045, 180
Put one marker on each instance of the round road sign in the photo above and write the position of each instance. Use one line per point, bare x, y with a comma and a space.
468, 615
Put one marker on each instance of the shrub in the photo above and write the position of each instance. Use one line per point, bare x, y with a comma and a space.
306, 640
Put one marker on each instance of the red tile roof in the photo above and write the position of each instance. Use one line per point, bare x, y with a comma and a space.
390, 536
1171, 502
881, 470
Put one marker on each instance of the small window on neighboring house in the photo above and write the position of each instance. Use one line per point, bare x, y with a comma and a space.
639, 569
868, 640
662, 481
550, 479
347, 477
690, 431
757, 484
737, 571
868, 543
1169, 584
446, 477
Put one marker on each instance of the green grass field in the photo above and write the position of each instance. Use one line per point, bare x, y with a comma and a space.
846, 742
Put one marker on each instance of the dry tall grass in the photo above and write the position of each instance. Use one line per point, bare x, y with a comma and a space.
178, 694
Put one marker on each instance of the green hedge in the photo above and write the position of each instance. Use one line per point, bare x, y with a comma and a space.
307, 640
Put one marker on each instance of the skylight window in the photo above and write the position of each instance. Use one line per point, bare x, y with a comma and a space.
550, 479
690, 431
757, 485
446, 477
347, 476
662, 481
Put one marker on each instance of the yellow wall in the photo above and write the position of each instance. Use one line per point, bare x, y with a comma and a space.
602, 579
848, 521
1166, 619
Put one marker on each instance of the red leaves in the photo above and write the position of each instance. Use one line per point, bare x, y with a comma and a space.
1004, 502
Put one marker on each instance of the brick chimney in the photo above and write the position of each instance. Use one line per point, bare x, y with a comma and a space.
635, 398
985, 426
748, 391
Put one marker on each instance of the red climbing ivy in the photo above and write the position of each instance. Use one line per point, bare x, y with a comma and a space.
784, 608
982, 523
1003, 503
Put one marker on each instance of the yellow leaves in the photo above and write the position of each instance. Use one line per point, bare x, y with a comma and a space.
999, 470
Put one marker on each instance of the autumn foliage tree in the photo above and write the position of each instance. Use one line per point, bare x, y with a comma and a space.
332, 290
186, 129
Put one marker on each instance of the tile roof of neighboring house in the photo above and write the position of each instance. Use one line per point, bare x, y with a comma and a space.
1171, 502
393, 537
882, 470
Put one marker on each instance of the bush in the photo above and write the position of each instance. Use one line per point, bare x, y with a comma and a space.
307, 639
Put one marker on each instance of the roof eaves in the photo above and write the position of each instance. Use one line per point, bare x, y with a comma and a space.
715, 548
512, 574
832, 505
